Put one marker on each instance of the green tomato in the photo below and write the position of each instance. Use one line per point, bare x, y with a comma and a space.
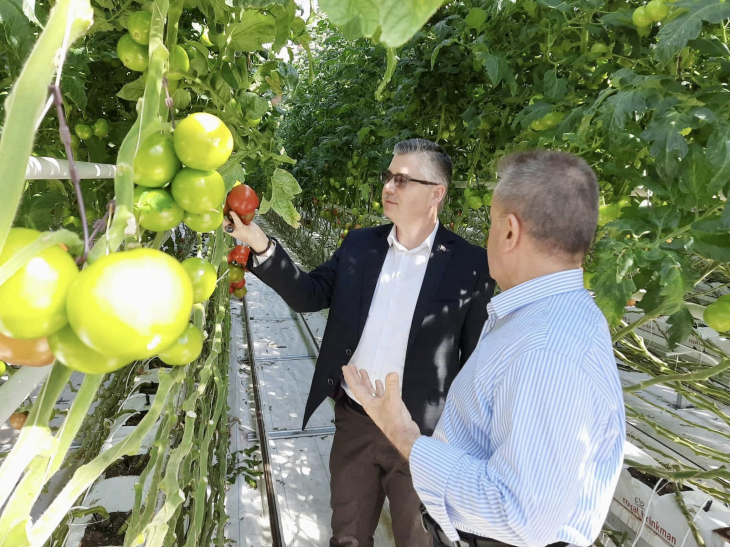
186, 349
203, 275
587, 277
552, 119
34, 298
83, 131
202, 141
376, 205
641, 18
133, 303
657, 10
467, 192
138, 26
155, 163
68, 348
199, 191
240, 292
205, 39
253, 122
134, 56
599, 47
487, 199
207, 222
235, 273
475, 202
717, 314
75, 142
156, 210
179, 63
537, 125
116, 63
181, 99
3, 368
101, 128
607, 213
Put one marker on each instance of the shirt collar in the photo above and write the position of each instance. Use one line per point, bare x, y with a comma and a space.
535, 289
427, 244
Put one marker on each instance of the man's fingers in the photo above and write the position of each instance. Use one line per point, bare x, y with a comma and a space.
236, 220
351, 376
366, 381
379, 388
392, 384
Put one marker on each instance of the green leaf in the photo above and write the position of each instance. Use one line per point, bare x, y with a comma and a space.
476, 19
718, 154
39, 211
396, 20
680, 324
619, 107
717, 224
674, 35
73, 87
498, 70
285, 15
15, 32
554, 87
439, 47
674, 284
612, 290
283, 189
668, 144
712, 246
253, 105
365, 191
232, 171
694, 172
389, 71
254, 30
133, 90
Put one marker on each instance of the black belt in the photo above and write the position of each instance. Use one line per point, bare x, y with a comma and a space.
432, 527
354, 405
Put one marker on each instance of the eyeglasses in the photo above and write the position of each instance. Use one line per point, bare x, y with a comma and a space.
401, 180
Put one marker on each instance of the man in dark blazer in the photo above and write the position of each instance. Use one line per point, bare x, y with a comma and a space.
409, 297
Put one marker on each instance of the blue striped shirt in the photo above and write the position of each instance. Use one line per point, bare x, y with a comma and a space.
529, 448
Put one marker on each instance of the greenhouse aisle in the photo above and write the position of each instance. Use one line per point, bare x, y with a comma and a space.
284, 352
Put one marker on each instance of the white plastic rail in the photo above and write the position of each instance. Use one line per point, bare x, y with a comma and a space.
52, 168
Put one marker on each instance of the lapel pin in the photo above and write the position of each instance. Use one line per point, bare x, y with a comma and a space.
442, 248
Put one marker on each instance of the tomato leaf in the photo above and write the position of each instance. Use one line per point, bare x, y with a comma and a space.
668, 144
16, 33
253, 105
712, 246
612, 290
499, 70
395, 20
680, 324
283, 189
717, 224
254, 30
392, 61
133, 90
232, 171
554, 87
675, 34
718, 153
285, 14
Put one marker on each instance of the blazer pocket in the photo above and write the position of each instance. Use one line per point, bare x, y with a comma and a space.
437, 398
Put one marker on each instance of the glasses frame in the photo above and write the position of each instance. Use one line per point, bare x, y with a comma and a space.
386, 176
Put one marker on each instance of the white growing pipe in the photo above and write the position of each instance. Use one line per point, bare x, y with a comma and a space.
52, 168
18, 387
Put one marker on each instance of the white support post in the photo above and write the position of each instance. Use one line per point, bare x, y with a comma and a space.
52, 168
18, 387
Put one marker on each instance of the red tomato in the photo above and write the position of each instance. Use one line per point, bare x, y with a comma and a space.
30, 353
231, 288
239, 254
17, 420
239, 284
244, 201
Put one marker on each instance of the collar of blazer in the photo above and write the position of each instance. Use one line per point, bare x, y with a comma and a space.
435, 271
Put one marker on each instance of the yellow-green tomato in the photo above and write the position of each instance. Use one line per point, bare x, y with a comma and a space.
68, 348
179, 63
657, 10
156, 210
641, 18
134, 303
186, 349
717, 314
207, 222
155, 163
3, 368
235, 273
33, 299
203, 141
138, 26
133, 55
199, 191
203, 275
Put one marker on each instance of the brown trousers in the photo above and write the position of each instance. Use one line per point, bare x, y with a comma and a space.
366, 467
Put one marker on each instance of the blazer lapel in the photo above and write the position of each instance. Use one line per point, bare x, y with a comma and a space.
435, 271
375, 256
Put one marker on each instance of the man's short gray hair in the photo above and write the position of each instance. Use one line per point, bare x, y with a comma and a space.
437, 165
555, 194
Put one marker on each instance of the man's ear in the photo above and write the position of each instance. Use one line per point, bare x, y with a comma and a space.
438, 193
513, 232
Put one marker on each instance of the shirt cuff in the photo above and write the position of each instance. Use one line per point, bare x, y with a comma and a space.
258, 260
432, 464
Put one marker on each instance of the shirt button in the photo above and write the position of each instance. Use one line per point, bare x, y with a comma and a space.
330, 381
348, 352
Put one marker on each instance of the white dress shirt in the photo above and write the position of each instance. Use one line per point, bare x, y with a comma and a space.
382, 346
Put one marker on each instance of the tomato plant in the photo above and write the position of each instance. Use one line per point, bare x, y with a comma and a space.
203, 276
186, 349
155, 163
199, 191
202, 141
138, 26
156, 210
133, 55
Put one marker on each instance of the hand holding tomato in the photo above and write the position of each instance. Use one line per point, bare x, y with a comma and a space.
251, 235
243, 201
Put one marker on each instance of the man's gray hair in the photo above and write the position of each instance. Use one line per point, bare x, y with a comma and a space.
555, 195
437, 165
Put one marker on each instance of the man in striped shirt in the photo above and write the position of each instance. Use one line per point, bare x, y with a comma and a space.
529, 447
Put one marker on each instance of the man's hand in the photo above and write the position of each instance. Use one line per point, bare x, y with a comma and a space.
251, 235
385, 406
